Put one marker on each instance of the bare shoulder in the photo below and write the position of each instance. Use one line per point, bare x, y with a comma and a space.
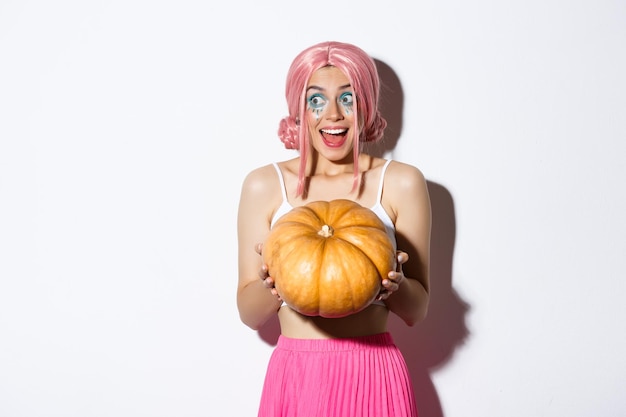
260, 181
406, 190
403, 177
261, 194
262, 185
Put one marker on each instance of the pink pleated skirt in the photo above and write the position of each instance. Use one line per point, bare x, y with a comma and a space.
349, 377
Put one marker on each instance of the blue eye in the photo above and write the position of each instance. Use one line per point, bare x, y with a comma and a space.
316, 101
346, 99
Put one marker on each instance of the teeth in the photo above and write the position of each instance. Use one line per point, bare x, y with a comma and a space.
334, 131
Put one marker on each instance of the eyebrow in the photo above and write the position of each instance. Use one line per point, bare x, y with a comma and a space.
315, 87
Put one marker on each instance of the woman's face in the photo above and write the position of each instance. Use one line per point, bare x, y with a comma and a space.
330, 113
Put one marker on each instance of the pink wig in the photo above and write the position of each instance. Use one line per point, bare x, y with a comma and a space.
360, 69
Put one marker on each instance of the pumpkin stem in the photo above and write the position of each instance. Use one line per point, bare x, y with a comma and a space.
326, 231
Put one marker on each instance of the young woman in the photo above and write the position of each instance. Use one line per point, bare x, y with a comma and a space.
345, 366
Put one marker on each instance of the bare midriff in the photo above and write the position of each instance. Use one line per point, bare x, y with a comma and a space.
372, 320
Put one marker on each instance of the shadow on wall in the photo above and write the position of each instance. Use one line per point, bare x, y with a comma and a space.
429, 345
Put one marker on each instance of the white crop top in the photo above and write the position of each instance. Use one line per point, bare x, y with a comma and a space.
378, 209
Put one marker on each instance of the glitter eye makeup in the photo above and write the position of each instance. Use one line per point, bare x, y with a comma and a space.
346, 100
316, 103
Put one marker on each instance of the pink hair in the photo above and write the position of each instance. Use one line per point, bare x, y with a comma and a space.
360, 69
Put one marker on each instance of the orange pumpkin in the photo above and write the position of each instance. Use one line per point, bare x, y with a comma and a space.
328, 258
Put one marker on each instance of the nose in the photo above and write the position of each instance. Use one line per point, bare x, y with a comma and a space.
335, 111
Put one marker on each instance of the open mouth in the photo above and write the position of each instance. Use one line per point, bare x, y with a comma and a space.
334, 137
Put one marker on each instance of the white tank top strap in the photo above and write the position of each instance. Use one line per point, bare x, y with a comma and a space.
382, 180
283, 190
284, 206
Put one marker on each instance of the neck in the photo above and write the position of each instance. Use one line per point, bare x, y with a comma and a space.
319, 166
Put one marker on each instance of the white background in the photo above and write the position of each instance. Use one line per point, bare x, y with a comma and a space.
126, 128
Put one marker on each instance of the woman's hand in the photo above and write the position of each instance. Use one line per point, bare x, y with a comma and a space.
264, 275
394, 278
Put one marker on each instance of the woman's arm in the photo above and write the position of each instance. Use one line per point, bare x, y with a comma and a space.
406, 193
258, 200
